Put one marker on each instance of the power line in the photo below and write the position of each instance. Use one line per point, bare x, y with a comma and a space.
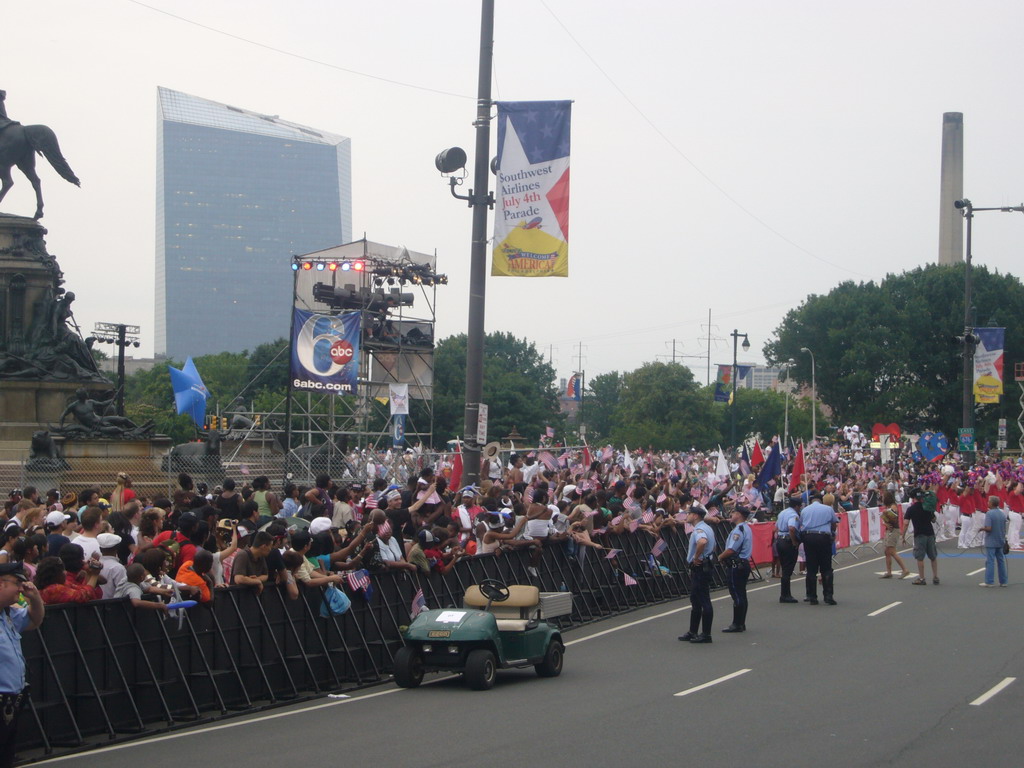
298, 56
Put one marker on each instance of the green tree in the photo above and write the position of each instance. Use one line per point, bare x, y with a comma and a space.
763, 412
600, 399
887, 352
519, 388
661, 405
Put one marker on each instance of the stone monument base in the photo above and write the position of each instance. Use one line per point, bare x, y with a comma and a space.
30, 406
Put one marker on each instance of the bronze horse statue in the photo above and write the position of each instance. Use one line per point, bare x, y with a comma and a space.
18, 146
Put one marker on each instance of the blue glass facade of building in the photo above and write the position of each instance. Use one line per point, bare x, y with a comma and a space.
237, 195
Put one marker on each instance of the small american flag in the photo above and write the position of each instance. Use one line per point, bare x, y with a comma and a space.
630, 504
648, 517
600, 531
612, 553
548, 460
371, 502
528, 494
681, 517
659, 546
628, 580
590, 513
384, 531
633, 525
359, 579
607, 453
563, 460
419, 604
616, 520
549, 431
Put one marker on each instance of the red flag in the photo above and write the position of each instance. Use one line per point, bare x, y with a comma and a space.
456, 477
798, 469
756, 457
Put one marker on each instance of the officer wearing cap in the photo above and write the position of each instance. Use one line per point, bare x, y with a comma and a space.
698, 554
736, 558
14, 621
818, 522
787, 542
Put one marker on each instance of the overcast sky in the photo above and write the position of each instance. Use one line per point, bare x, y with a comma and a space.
735, 156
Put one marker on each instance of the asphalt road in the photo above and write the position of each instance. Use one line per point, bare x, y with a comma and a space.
829, 685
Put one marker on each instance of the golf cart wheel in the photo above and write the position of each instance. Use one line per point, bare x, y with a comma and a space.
552, 664
408, 667
480, 669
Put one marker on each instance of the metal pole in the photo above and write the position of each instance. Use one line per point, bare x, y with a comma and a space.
480, 200
968, 399
732, 406
785, 428
814, 401
120, 368
290, 394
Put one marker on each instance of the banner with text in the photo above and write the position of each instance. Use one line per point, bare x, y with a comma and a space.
325, 352
988, 365
531, 221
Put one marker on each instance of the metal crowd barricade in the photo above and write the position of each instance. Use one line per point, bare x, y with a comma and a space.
105, 671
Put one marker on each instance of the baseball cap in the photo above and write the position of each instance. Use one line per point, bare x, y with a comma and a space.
103, 504
108, 540
394, 495
319, 525
57, 518
13, 569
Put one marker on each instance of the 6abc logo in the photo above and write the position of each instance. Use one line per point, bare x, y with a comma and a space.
321, 346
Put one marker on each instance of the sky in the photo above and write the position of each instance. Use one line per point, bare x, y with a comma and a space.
726, 157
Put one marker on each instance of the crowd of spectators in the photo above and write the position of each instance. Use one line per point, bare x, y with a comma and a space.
79, 547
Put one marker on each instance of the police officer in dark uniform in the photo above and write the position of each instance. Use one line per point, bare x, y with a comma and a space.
736, 558
698, 557
787, 542
818, 523
14, 621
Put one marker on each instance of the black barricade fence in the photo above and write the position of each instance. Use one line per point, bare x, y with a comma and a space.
105, 671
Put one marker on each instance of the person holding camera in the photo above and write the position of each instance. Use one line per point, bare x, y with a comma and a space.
15, 620
698, 557
924, 537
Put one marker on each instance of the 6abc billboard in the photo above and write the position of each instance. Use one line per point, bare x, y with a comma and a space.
325, 352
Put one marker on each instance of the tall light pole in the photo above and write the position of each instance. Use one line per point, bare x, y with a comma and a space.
786, 366
732, 408
123, 336
814, 396
480, 200
969, 340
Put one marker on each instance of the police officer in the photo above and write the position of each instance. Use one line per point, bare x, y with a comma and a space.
698, 557
818, 523
736, 558
14, 620
787, 542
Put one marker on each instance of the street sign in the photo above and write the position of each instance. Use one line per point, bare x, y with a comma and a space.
1000, 445
966, 438
481, 423
1002, 429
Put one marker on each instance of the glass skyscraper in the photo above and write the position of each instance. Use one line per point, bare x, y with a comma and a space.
238, 193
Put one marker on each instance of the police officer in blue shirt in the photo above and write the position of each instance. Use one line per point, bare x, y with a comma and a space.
736, 558
787, 544
698, 557
818, 524
14, 620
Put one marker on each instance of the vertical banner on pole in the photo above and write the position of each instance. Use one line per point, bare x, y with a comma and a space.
531, 220
398, 432
988, 365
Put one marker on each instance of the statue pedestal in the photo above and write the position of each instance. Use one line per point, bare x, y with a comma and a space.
30, 406
98, 448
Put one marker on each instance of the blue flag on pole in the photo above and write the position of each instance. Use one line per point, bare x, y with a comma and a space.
189, 392
772, 467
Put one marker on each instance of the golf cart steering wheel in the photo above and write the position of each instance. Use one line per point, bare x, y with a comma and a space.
494, 590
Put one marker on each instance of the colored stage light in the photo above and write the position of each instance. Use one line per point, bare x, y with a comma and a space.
358, 266
346, 266
319, 266
295, 267
307, 265
332, 266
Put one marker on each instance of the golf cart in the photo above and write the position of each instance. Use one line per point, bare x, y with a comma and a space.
498, 627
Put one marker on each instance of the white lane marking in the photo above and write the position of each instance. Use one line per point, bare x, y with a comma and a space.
975, 573
992, 692
702, 686
234, 724
604, 632
335, 702
886, 608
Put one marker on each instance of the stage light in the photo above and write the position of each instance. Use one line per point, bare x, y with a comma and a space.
346, 266
307, 265
358, 266
295, 267
332, 266
319, 266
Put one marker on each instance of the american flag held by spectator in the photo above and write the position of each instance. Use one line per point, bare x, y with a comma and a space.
612, 553
648, 517
548, 460
628, 580
360, 580
659, 547
419, 604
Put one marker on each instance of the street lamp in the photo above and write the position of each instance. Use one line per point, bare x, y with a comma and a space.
969, 340
786, 366
814, 396
732, 409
